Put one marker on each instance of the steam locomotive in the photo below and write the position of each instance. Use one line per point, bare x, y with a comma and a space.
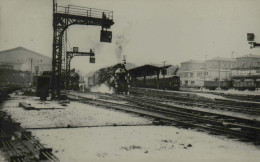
116, 77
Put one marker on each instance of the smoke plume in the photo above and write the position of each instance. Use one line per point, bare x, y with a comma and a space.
121, 41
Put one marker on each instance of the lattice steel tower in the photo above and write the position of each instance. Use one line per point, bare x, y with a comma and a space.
63, 17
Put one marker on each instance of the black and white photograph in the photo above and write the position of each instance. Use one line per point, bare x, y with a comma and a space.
129, 80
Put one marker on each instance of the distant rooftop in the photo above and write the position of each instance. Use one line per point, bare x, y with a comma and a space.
221, 59
194, 61
22, 49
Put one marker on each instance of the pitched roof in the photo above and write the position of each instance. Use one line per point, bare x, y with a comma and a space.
21, 55
147, 70
194, 61
22, 49
221, 59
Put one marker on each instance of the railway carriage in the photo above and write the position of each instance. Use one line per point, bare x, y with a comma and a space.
249, 82
170, 82
212, 85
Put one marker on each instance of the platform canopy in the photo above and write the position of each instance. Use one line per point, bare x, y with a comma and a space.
146, 70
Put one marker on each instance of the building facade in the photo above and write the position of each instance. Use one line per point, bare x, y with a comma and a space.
22, 59
219, 69
20, 65
247, 65
246, 74
192, 73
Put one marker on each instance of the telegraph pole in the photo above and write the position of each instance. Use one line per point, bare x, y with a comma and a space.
205, 70
163, 73
31, 60
219, 74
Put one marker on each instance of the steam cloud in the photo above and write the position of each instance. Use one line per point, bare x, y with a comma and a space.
103, 88
121, 41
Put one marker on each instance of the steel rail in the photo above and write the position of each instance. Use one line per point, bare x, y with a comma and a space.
241, 134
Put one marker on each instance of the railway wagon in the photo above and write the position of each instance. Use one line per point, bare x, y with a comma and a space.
212, 85
169, 82
250, 82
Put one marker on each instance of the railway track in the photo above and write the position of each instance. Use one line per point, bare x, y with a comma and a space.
19, 144
212, 105
243, 129
253, 98
242, 107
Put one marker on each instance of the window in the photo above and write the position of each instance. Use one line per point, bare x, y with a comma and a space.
192, 82
191, 75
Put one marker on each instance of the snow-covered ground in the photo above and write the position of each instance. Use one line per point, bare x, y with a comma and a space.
74, 114
2, 157
121, 143
223, 112
233, 91
230, 91
217, 96
144, 143
211, 96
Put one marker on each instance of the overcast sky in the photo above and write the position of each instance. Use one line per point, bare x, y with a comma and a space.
150, 31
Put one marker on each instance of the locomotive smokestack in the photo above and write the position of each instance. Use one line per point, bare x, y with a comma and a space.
124, 59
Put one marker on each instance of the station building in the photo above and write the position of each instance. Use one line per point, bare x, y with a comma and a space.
193, 73
22, 59
20, 65
247, 71
247, 65
219, 68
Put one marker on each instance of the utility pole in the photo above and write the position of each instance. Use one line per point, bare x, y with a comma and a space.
31, 60
205, 70
219, 74
163, 73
